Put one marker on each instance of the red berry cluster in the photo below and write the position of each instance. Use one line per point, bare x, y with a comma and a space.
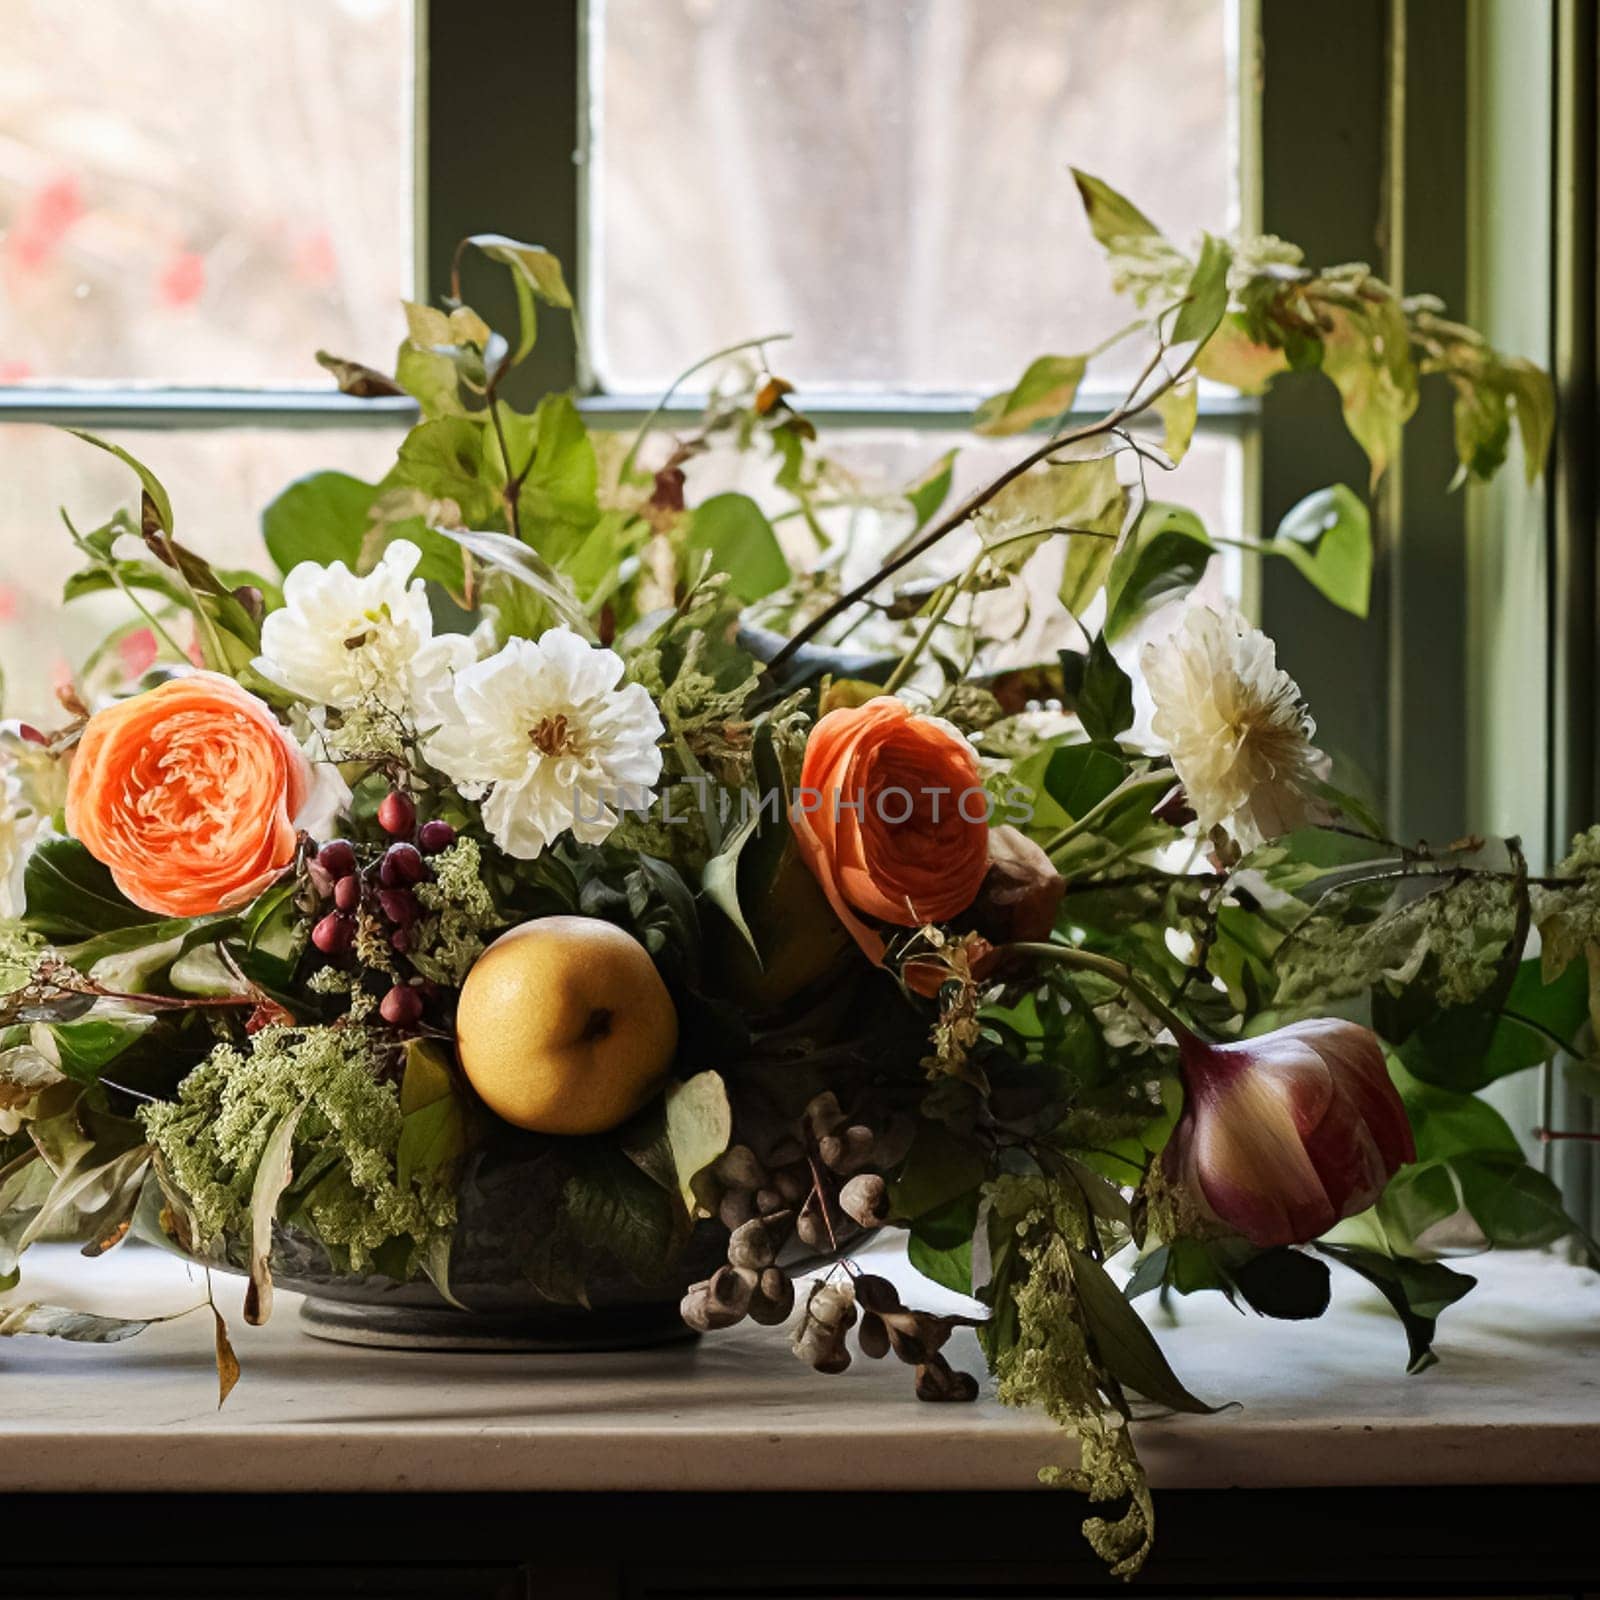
382, 888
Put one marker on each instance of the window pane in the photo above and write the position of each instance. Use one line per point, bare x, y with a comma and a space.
887, 181
219, 481
193, 192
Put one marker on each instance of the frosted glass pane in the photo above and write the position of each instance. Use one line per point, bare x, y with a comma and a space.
887, 181
200, 192
219, 482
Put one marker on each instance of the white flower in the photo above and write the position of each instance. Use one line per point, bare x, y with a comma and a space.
344, 641
542, 730
1235, 726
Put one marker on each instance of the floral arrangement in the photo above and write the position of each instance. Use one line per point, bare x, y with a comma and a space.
735, 884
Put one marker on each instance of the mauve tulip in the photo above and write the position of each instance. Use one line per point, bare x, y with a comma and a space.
1284, 1134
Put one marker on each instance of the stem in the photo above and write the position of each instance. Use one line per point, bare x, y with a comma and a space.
1550, 1135
683, 377
980, 497
512, 491
1069, 955
1128, 786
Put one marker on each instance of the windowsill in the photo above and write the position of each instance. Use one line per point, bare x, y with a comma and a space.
1515, 1399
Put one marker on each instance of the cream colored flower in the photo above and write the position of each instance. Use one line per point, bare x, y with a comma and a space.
543, 735
1235, 726
345, 641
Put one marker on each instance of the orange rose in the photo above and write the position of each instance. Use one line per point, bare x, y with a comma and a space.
188, 793
891, 818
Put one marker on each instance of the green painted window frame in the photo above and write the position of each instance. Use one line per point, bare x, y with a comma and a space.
1379, 144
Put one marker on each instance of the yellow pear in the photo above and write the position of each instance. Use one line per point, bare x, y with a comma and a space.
564, 1025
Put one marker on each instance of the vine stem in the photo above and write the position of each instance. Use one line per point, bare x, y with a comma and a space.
1068, 955
1136, 402
1149, 780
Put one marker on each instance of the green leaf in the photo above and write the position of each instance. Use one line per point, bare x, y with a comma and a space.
445, 460
940, 1245
735, 532
939, 1169
1516, 1206
68, 895
719, 878
930, 491
322, 517
536, 274
1112, 217
274, 1173
60, 1322
616, 1208
433, 1129
1445, 1123
1121, 1340
1207, 296
86, 1047
1534, 398
1419, 1291
1078, 777
1164, 557
1368, 357
1179, 410
502, 553
1045, 390
1327, 537
1105, 700
159, 499
699, 1129
1283, 1283
558, 500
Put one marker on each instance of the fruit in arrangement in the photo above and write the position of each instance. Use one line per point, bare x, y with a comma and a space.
564, 1026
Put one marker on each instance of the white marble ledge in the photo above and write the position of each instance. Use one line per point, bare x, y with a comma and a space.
1515, 1399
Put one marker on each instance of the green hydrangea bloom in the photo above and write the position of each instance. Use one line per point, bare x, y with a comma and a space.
211, 1140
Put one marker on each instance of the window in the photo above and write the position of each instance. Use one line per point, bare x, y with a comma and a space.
193, 199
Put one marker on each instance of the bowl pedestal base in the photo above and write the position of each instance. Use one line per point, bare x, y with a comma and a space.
401, 1327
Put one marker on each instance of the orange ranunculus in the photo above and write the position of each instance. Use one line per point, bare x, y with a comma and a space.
188, 792
891, 818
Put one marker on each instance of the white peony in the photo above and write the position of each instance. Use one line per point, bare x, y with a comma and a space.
345, 641
1235, 726
542, 734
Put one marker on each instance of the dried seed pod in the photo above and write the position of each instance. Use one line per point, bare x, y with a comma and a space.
769, 1201
752, 1246
738, 1168
773, 1299
937, 1380
873, 1337
695, 1309
833, 1303
736, 1208
812, 1227
835, 1360
823, 1114
785, 1153
875, 1293
793, 1183
848, 1151
865, 1199
730, 1288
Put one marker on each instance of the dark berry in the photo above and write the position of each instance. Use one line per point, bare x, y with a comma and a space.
401, 1007
398, 905
397, 815
400, 940
435, 836
337, 858
347, 893
334, 933
402, 866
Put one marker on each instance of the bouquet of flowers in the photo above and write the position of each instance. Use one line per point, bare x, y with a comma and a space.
554, 887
